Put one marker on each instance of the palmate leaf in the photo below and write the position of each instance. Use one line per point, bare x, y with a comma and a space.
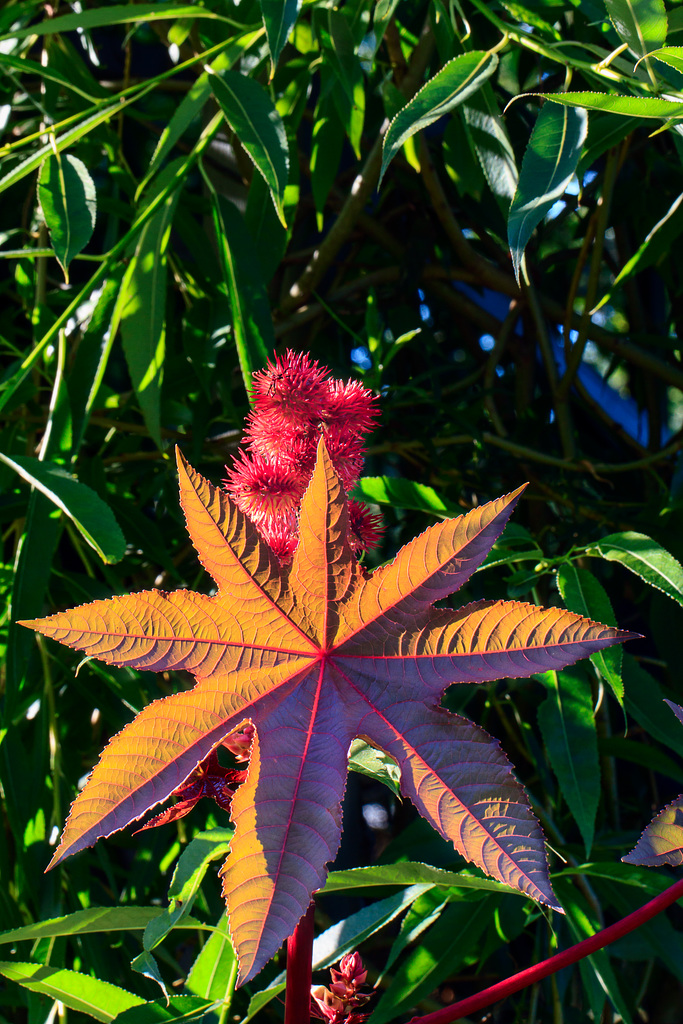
313, 655
662, 841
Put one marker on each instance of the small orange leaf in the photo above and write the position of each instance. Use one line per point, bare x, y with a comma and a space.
313, 655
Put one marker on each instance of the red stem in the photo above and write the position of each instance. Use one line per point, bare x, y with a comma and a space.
299, 957
555, 963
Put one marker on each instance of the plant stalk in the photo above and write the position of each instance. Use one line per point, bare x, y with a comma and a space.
582, 949
299, 957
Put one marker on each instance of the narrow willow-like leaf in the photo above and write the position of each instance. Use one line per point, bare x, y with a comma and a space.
644, 557
492, 145
671, 55
401, 493
547, 168
641, 24
251, 320
141, 307
348, 90
568, 729
113, 14
457, 80
98, 999
626, 106
187, 878
440, 955
92, 517
82, 922
583, 594
68, 202
409, 873
214, 966
279, 18
249, 111
656, 246
313, 656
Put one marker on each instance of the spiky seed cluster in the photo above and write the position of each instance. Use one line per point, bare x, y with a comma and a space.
295, 402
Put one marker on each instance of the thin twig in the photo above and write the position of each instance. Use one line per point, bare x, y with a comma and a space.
361, 190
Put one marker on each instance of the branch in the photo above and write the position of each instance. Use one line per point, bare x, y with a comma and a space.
555, 963
361, 190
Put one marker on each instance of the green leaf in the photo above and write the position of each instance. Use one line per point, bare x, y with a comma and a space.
249, 111
343, 74
583, 594
547, 168
98, 999
251, 320
456, 80
82, 922
215, 967
441, 954
91, 516
401, 493
644, 557
279, 18
113, 14
671, 55
409, 873
327, 143
374, 763
639, 23
146, 965
187, 878
424, 912
67, 199
193, 102
568, 728
627, 106
654, 249
178, 1008
141, 307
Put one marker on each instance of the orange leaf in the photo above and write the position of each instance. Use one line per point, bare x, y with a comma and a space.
314, 655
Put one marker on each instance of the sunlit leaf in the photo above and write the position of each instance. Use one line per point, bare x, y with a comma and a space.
92, 517
671, 55
627, 106
644, 557
314, 655
98, 999
640, 23
457, 80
